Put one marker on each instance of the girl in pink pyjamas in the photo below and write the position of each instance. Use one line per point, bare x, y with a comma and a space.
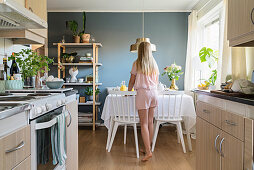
144, 79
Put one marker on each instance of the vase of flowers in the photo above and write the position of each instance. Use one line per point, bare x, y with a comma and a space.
173, 72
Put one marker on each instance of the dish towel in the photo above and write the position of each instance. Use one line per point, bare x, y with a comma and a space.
58, 143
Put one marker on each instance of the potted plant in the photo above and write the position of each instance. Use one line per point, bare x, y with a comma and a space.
73, 26
173, 72
85, 37
89, 93
31, 64
69, 57
210, 56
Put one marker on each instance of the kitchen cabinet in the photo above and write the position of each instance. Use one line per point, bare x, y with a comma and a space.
231, 152
220, 140
38, 7
25, 165
207, 157
14, 148
72, 136
241, 22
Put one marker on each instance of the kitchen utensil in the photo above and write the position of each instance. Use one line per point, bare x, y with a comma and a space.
54, 84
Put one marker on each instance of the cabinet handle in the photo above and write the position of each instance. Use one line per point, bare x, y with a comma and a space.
21, 145
215, 143
251, 16
206, 111
70, 119
221, 153
230, 123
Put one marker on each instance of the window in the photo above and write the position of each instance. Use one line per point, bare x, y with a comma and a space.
208, 36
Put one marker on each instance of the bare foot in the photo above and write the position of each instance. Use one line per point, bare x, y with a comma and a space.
142, 151
147, 157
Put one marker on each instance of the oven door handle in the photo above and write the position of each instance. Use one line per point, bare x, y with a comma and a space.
70, 119
48, 124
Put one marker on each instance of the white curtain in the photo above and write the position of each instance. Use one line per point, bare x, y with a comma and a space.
189, 81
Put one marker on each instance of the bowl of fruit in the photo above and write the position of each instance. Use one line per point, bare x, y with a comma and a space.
54, 83
204, 86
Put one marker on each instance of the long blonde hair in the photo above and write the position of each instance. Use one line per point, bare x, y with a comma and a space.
145, 63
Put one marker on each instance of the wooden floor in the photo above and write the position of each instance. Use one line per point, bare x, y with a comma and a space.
168, 154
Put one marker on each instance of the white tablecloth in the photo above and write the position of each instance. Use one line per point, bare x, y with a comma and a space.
187, 110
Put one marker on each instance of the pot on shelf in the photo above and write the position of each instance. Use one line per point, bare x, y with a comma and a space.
85, 38
29, 81
90, 98
76, 39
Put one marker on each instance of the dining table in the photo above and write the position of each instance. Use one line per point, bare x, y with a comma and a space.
186, 108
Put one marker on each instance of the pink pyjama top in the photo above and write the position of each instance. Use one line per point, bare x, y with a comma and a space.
146, 86
144, 81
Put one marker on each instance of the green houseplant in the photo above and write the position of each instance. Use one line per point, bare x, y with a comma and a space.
73, 26
211, 57
89, 93
69, 57
30, 63
85, 37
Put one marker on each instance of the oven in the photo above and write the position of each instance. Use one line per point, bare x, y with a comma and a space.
41, 140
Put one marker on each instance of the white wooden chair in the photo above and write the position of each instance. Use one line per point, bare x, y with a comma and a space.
166, 116
124, 113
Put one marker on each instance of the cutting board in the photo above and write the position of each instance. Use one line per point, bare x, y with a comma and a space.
233, 94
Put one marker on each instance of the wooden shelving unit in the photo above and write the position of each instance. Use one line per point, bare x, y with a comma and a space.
61, 48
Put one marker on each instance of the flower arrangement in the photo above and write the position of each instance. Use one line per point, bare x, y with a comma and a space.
173, 72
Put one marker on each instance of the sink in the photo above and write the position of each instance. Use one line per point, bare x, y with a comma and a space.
16, 98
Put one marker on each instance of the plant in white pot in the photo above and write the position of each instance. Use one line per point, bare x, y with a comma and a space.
89, 93
85, 37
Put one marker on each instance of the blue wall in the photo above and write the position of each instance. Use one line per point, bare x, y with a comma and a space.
116, 32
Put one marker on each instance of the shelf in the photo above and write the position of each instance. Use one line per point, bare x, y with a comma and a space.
79, 45
81, 84
77, 64
89, 104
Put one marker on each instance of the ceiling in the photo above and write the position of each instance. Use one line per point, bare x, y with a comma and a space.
121, 5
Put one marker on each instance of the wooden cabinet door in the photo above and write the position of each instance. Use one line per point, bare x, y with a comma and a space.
14, 148
72, 136
207, 157
24, 165
232, 152
240, 19
39, 7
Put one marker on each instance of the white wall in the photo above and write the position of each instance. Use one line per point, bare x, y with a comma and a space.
7, 47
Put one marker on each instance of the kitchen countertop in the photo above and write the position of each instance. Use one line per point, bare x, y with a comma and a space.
231, 98
12, 111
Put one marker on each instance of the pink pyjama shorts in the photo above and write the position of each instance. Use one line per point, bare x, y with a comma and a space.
146, 99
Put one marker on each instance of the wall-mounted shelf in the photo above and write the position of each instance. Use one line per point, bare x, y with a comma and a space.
77, 64
81, 84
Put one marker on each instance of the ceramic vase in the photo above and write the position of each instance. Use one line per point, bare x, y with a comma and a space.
73, 75
85, 38
173, 85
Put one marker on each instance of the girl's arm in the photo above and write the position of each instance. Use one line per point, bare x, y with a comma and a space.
131, 82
